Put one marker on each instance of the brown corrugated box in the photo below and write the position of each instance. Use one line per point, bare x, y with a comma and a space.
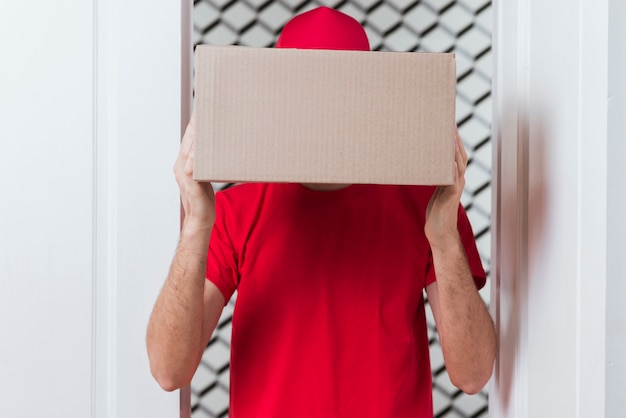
319, 116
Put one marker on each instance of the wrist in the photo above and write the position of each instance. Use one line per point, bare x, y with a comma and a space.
195, 230
198, 223
445, 241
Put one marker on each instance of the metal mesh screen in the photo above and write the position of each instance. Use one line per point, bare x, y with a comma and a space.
462, 27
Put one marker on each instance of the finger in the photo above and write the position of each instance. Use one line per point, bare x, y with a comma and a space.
189, 161
188, 139
461, 146
458, 157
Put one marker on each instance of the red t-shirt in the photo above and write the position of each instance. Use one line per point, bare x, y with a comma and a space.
329, 319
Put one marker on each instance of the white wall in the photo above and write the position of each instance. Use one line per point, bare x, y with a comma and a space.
89, 127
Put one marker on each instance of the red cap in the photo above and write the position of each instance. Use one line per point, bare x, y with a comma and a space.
323, 28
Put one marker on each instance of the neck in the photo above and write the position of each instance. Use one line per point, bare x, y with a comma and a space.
323, 187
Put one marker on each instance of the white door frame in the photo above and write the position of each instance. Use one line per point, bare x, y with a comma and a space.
140, 91
616, 239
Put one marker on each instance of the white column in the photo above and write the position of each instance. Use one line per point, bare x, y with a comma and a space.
550, 211
90, 119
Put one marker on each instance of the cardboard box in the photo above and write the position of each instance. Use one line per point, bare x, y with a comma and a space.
319, 116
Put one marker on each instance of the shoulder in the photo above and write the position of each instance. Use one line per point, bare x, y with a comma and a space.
237, 203
242, 188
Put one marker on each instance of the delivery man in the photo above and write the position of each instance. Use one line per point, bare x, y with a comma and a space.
330, 318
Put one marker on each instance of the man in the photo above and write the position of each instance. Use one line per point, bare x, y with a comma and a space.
329, 320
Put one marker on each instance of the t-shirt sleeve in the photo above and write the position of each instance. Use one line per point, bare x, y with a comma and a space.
222, 260
471, 252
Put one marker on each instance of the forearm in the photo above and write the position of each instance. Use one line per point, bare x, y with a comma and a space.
465, 328
175, 331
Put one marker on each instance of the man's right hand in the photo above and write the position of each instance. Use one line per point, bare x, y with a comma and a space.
198, 198
189, 306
